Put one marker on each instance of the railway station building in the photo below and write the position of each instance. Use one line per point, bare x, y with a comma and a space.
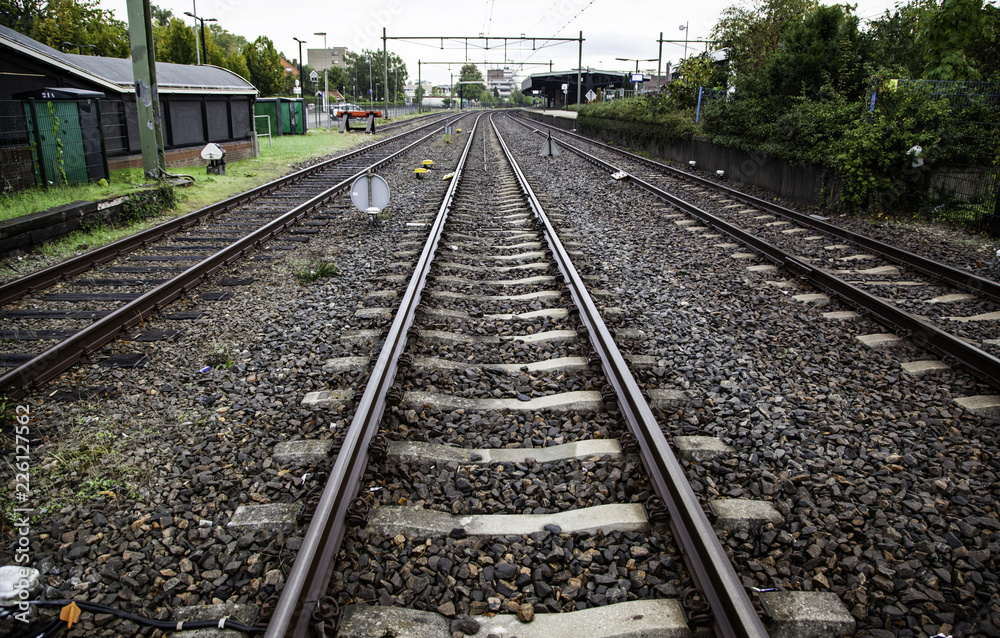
94, 98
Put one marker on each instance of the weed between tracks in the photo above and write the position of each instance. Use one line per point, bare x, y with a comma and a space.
307, 272
86, 460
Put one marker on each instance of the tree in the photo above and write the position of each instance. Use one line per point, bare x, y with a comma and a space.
519, 99
20, 15
176, 43
81, 22
236, 63
751, 35
692, 74
949, 36
264, 65
823, 49
471, 73
364, 71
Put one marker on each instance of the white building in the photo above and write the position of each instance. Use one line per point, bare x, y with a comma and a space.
502, 80
411, 90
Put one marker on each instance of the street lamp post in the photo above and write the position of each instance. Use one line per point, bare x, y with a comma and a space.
684, 28
326, 79
371, 86
302, 80
204, 42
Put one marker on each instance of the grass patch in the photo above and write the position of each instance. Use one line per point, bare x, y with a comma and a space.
123, 182
85, 462
276, 160
307, 272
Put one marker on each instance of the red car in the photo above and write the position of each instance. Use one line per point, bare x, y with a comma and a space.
352, 110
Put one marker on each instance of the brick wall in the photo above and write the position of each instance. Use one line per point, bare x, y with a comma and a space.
244, 149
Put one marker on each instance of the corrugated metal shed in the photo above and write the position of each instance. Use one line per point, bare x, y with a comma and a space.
116, 73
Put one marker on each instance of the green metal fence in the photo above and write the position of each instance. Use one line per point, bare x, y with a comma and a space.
51, 143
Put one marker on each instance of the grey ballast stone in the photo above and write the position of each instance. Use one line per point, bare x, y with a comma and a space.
632, 619
416, 522
245, 614
301, 452
807, 614
266, 517
579, 400
701, 448
442, 453
735, 514
984, 405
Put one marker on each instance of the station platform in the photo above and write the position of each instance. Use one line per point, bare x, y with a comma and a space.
554, 113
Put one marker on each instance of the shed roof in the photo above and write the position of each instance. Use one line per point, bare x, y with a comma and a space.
116, 73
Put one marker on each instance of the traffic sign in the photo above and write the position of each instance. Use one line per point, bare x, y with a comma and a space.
314, 76
370, 191
591, 95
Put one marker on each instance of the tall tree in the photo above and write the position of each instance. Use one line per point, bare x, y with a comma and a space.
364, 72
750, 35
81, 22
20, 15
264, 65
236, 63
825, 49
176, 43
471, 73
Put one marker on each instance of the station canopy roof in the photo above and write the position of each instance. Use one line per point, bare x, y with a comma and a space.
553, 80
116, 73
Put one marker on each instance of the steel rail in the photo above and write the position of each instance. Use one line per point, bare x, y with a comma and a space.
732, 611
61, 356
310, 575
978, 362
954, 276
17, 288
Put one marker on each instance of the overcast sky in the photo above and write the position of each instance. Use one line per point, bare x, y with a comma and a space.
611, 28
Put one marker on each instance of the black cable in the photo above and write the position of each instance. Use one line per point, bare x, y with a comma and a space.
172, 625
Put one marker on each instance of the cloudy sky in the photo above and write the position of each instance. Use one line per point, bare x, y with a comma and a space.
611, 28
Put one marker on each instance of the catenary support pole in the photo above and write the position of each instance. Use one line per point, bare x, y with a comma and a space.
579, 71
385, 75
147, 99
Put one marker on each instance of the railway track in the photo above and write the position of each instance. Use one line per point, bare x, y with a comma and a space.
915, 296
130, 279
522, 353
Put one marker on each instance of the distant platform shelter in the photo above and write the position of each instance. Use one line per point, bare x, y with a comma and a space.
198, 104
550, 85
